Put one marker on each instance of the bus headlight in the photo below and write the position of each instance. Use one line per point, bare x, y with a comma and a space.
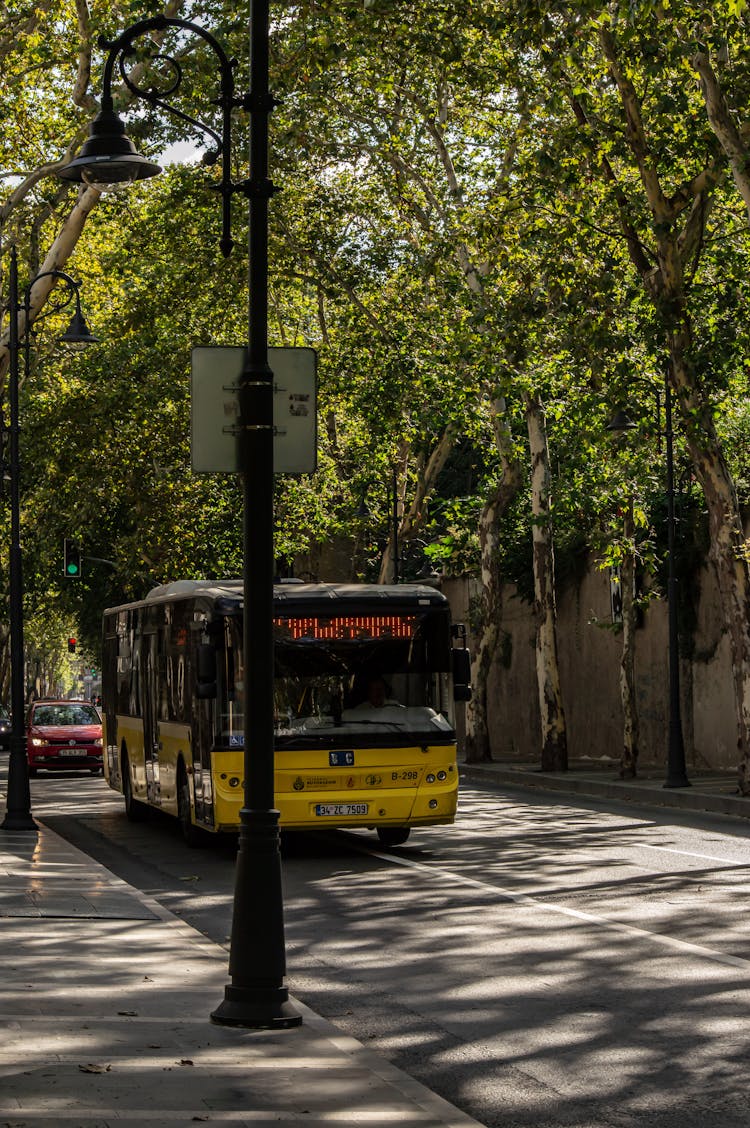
432, 804
442, 776
430, 778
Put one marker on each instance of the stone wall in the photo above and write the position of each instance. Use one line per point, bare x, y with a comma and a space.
589, 668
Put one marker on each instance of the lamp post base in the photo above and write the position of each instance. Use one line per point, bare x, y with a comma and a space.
261, 1008
18, 822
677, 781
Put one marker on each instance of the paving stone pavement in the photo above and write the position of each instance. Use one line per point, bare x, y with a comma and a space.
104, 1019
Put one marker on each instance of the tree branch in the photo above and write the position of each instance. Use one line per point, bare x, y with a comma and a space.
726, 132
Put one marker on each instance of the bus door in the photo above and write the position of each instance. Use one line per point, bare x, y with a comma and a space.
202, 739
203, 671
151, 716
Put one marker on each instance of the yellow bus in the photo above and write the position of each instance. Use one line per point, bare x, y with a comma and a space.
365, 680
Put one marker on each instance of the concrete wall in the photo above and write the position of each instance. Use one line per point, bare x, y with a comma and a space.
589, 669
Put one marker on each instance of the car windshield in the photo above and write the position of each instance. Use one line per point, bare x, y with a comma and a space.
65, 715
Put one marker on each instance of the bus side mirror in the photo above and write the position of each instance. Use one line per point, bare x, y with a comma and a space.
205, 674
461, 673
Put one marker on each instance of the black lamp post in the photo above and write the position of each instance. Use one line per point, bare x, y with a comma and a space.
364, 513
394, 522
18, 808
676, 770
256, 997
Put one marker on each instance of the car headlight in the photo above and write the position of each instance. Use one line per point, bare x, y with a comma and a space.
37, 741
98, 742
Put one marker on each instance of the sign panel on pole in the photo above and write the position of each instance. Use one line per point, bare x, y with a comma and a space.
214, 409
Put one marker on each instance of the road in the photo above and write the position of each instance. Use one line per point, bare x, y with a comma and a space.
542, 963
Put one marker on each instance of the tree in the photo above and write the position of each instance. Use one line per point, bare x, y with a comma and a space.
642, 134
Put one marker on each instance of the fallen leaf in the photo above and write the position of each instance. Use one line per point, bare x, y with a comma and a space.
92, 1068
129, 1014
186, 1061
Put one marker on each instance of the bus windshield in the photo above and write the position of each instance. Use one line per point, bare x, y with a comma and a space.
371, 678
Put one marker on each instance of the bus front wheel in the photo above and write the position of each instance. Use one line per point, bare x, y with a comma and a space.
393, 835
135, 811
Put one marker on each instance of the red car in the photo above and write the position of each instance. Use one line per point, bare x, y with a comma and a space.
64, 735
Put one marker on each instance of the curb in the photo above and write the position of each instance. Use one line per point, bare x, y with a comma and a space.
652, 793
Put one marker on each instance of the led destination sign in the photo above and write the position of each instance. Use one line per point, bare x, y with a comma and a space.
347, 627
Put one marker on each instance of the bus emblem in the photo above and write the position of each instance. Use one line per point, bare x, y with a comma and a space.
299, 784
373, 780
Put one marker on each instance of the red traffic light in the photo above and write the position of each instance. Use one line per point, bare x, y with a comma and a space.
71, 646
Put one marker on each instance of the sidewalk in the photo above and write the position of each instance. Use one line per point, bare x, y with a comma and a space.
712, 792
105, 1019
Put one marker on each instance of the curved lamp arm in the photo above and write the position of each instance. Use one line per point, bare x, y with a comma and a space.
109, 157
78, 331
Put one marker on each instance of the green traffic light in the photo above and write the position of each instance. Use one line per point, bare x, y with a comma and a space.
71, 560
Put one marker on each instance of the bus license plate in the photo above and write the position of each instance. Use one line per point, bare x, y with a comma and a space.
333, 810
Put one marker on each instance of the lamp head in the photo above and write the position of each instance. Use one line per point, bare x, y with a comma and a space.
620, 421
78, 332
108, 159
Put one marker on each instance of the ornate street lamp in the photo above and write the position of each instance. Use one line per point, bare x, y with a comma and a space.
256, 997
18, 807
676, 769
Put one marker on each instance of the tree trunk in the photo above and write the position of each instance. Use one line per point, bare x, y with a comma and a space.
552, 715
485, 624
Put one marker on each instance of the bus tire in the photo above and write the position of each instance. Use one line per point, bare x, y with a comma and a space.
192, 834
393, 835
135, 811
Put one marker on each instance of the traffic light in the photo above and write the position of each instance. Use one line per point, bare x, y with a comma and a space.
71, 646
72, 559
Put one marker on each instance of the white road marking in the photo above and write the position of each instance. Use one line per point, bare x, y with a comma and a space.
692, 854
562, 910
